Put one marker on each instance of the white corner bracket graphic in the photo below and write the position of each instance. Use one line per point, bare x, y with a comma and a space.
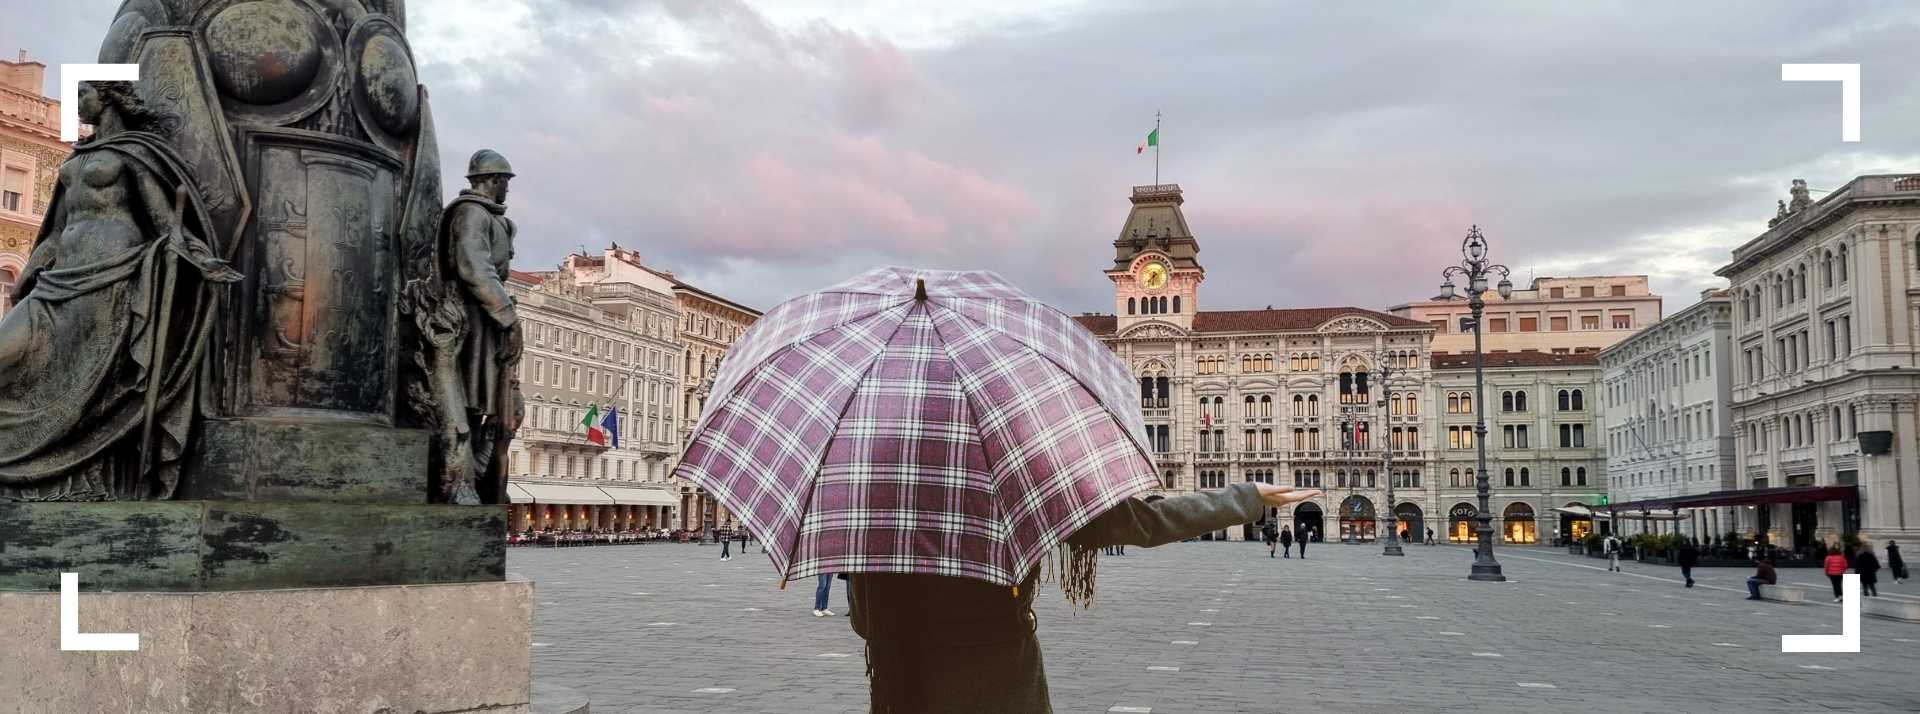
1849, 638
71, 75
1848, 75
73, 640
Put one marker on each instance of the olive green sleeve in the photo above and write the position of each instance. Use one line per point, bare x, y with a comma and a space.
1139, 523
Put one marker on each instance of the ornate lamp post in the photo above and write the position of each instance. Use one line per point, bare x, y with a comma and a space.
1475, 267
1384, 363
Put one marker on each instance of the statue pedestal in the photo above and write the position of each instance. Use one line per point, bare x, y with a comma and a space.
431, 649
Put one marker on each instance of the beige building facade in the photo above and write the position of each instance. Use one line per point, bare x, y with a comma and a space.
1826, 309
709, 325
1551, 315
1295, 396
1669, 423
30, 156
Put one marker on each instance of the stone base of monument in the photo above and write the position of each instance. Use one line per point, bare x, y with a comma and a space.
393, 649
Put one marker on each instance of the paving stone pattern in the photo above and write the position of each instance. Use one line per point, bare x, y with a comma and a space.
669, 628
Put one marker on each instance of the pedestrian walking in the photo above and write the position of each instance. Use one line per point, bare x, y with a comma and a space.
1895, 566
1763, 575
1689, 557
1286, 544
822, 587
1305, 536
1429, 536
725, 552
1868, 566
1612, 548
1271, 534
743, 540
1836, 569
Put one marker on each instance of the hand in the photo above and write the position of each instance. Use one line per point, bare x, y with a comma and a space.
1283, 496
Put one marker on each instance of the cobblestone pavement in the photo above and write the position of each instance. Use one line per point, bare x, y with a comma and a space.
1219, 627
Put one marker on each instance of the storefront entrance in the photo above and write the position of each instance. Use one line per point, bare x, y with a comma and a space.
1806, 519
1306, 519
1517, 524
1412, 522
1356, 519
1460, 523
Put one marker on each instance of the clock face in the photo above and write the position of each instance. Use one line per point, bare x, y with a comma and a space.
1153, 276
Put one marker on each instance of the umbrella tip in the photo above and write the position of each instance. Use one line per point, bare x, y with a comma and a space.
920, 289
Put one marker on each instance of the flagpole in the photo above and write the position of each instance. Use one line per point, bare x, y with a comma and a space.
1156, 147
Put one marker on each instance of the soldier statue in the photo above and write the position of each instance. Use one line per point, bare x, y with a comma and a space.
476, 247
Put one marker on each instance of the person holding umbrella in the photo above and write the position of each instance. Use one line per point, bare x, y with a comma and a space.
939, 436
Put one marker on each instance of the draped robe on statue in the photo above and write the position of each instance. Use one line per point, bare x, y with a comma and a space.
73, 382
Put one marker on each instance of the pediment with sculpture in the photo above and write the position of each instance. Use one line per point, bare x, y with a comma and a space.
1154, 331
1351, 323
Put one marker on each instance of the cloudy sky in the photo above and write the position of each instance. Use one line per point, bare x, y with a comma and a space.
1331, 153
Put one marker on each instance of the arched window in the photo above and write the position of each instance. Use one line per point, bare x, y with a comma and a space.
1566, 476
1413, 405
1509, 477
1453, 402
1453, 478
1800, 286
1299, 405
1580, 476
1176, 304
1506, 401
1247, 409
1130, 302
1313, 405
1466, 402
1566, 400
1266, 405
1826, 270
1393, 403
1526, 477
1370, 477
1340, 479
1840, 264
1579, 400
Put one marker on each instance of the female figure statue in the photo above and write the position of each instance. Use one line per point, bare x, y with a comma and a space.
100, 357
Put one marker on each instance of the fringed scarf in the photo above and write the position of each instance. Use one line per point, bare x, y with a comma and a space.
1076, 571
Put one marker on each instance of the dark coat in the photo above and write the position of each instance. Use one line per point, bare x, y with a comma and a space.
1689, 555
1286, 536
1894, 563
945, 644
1867, 565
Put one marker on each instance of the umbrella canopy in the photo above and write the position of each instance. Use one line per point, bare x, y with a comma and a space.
918, 421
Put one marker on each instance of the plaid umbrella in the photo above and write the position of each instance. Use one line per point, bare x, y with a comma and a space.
963, 428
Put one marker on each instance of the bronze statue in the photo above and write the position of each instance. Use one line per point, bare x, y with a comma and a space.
100, 358
475, 335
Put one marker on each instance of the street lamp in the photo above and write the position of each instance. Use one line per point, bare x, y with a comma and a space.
1383, 361
1475, 267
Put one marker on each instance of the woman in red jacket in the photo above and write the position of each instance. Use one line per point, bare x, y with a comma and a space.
1836, 570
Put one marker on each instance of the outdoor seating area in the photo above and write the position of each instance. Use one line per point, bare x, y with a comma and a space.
567, 539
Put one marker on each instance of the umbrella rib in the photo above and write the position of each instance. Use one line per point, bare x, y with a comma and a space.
781, 350
820, 462
966, 396
1084, 386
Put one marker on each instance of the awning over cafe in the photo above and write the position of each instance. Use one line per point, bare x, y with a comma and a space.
1744, 497
557, 493
625, 496
516, 494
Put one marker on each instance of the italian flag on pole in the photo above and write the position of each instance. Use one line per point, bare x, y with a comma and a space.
1153, 139
591, 422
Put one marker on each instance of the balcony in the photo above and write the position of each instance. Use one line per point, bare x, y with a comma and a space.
1212, 457
1843, 449
1259, 456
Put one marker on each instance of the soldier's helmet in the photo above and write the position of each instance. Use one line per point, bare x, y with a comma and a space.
487, 162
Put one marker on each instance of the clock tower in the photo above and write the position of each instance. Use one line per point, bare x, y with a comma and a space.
1156, 272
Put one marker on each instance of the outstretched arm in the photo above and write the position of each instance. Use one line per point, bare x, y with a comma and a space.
1139, 523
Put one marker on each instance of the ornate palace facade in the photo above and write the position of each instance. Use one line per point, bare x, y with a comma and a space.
30, 156
1826, 329
1296, 396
